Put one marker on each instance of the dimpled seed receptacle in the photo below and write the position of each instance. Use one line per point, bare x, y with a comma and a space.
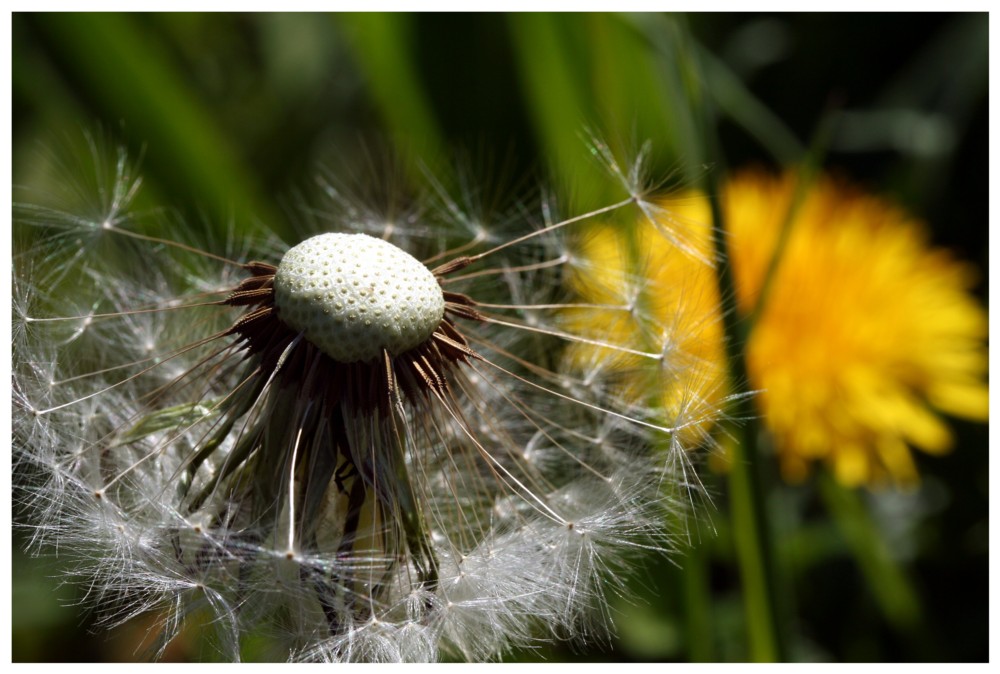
353, 295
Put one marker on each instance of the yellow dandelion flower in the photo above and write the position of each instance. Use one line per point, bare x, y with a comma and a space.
867, 330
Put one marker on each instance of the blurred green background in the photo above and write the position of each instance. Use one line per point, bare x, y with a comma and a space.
233, 113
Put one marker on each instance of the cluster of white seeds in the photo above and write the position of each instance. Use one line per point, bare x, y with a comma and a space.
353, 295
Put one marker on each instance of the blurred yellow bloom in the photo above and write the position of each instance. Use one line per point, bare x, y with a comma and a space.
866, 331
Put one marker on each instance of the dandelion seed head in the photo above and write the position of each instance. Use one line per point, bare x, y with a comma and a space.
367, 456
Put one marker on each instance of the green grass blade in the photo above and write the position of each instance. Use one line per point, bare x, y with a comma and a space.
127, 76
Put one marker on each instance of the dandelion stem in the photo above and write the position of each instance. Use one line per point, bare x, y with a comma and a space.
889, 583
754, 549
752, 535
806, 177
751, 530
697, 605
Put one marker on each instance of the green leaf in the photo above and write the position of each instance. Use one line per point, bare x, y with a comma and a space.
383, 47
